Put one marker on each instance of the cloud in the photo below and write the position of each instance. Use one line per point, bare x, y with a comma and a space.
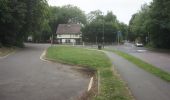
123, 9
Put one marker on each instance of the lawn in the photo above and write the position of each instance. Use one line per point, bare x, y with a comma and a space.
144, 65
111, 87
5, 51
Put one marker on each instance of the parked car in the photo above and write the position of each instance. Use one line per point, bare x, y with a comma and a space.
138, 44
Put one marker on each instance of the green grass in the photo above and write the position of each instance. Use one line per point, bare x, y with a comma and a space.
78, 56
5, 51
111, 87
144, 65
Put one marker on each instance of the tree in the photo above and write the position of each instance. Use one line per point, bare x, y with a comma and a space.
159, 23
18, 18
138, 24
102, 25
12, 15
93, 15
152, 24
37, 21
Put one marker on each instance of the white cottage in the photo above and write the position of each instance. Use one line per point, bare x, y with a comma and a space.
69, 33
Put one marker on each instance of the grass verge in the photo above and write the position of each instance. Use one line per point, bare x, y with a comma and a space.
111, 87
5, 51
144, 65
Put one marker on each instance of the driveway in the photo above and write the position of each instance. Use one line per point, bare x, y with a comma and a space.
23, 76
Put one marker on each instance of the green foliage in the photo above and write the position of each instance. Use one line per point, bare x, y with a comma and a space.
21, 18
12, 15
100, 25
152, 24
138, 24
160, 23
37, 19
18, 18
65, 14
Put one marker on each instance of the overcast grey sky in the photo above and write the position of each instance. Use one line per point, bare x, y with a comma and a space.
123, 9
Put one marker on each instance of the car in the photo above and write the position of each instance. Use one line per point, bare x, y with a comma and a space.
138, 44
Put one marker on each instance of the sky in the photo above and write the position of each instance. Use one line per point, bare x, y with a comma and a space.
123, 9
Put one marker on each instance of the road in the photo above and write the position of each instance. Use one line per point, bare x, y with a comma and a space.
158, 59
143, 85
23, 76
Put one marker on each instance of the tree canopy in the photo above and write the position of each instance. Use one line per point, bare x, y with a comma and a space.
101, 27
21, 18
65, 14
152, 24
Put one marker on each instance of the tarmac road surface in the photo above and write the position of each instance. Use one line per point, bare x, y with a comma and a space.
23, 76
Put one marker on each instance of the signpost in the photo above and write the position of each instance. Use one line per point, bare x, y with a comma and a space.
118, 36
51, 40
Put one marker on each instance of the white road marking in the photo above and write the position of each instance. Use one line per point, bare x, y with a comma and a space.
42, 56
141, 50
7, 55
90, 84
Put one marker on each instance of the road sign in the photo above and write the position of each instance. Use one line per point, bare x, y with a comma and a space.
119, 33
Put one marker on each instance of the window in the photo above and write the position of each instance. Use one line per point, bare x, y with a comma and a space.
67, 41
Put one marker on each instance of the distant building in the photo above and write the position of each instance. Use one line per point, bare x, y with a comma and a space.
69, 33
30, 38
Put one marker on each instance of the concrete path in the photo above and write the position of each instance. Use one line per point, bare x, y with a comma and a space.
144, 86
23, 76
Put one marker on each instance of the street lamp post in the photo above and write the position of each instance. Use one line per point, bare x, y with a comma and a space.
118, 36
96, 40
148, 38
103, 30
52, 39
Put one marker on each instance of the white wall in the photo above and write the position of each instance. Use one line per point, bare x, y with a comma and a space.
68, 36
63, 40
71, 40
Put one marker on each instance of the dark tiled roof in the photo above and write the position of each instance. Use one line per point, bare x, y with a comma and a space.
68, 28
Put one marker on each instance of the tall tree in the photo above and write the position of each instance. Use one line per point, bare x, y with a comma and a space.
12, 15
101, 26
138, 24
152, 24
159, 25
18, 18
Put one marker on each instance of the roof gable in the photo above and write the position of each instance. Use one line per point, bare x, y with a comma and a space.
68, 28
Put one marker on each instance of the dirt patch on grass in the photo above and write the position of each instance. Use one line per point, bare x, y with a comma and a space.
5, 51
88, 95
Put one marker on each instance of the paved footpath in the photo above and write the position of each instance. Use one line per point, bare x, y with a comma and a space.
23, 76
143, 85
